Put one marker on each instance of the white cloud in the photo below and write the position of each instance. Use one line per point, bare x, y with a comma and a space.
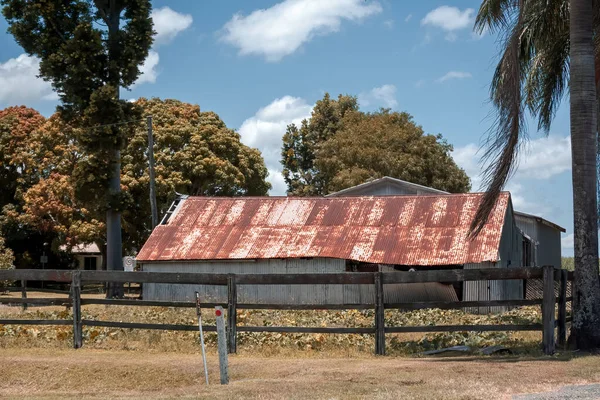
380, 96
408, 18
278, 185
266, 128
19, 82
567, 243
420, 83
454, 75
449, 19
540, 159
280, 30
389, 23
148, 69
545, 157
168, 24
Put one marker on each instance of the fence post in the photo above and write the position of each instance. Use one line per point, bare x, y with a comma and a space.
232, 313
222, 346
76, 300
548, 304
24, 292
562, 308
379, 316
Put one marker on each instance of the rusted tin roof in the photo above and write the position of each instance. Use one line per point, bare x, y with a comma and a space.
406, 230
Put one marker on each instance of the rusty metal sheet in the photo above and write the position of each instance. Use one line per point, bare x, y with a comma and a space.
402, 230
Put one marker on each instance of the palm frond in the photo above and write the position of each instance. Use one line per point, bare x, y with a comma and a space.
504, 139
495, 15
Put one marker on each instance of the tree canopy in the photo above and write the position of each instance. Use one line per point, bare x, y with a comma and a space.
195, 154
340, 146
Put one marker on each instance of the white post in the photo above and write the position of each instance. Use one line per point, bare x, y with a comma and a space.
222, 345
199, 314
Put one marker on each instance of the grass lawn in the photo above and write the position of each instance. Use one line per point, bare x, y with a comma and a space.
90, 373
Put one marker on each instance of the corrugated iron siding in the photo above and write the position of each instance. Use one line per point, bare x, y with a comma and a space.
286, 294
548, 250
510, 252
404, 230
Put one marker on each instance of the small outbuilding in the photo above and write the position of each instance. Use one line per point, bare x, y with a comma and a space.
258, 235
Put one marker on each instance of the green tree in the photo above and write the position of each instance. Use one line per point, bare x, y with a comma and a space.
340, 146
387, 143
88, 50
195, 154
6, 260
550, 46
300, 145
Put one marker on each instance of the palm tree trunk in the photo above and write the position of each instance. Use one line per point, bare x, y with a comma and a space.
586, 298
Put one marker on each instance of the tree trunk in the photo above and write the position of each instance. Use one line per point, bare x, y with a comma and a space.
586, 300
114, 242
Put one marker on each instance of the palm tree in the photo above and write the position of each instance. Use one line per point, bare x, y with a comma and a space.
549, 46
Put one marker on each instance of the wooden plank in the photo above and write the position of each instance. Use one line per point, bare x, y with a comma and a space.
458, 275
549, 301
462, 275
35, 275
36, 321
24, 292
305, 306
379, 316
232, 313
36, 302
76, 299
302, 329
462, 304
148, 303
463, 328
138, 325
154, 277
562, 309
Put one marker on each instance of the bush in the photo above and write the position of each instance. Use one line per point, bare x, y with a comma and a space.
6, 261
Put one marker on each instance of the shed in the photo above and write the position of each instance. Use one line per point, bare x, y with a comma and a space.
86, 256
257, 235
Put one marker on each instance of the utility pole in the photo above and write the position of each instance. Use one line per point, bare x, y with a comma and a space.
153, 206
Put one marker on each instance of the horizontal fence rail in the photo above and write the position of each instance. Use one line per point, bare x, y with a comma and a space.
549, 275
347, 278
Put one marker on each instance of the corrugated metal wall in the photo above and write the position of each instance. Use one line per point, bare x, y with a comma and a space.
548, 250
297, 294
511, 255
286, 294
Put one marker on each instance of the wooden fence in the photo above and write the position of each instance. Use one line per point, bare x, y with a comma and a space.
548, 274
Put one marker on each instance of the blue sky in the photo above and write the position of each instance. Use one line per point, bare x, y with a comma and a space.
262, 64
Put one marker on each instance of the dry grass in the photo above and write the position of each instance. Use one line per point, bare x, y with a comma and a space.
265, 343
88, 373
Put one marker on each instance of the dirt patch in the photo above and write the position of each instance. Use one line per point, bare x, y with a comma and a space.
86, 373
